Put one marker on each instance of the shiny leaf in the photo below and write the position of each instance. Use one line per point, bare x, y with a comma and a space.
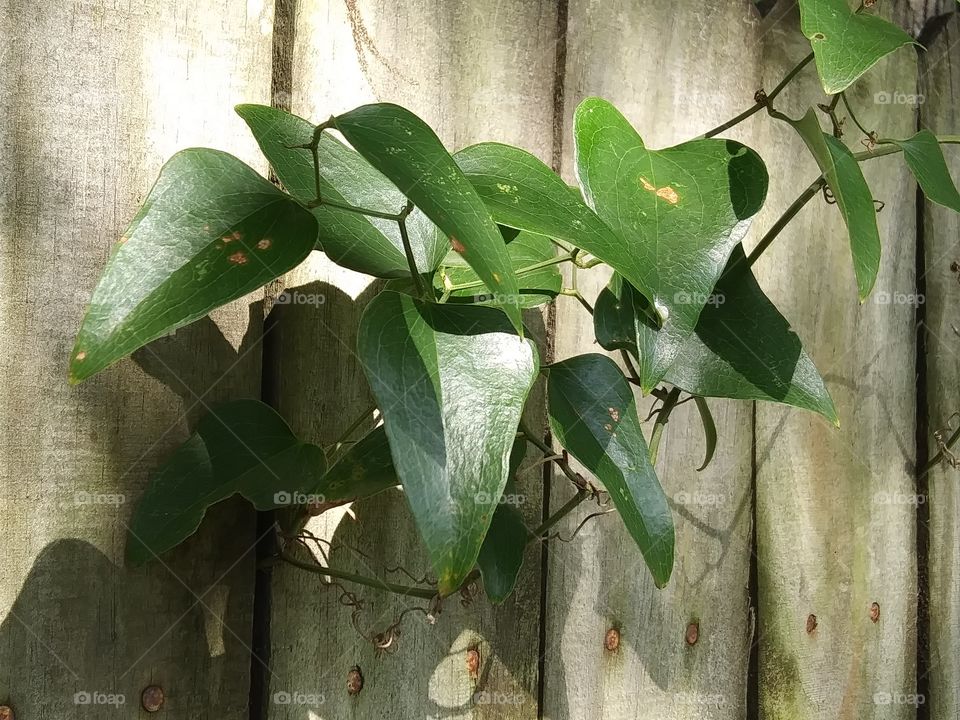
242, 447
679, 213
593, 415
210, 231
854, 199
365, 244
451, 381
845, 43
404, 148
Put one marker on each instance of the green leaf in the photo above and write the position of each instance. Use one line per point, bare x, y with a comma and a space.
365, 244
522, 192
501, 555
526, 250
364, 469
593, 415
854, 199
709, 430
845, 43
210, 231
451, 381
406, 150
240, 447
679, 212
743, 348
924, 156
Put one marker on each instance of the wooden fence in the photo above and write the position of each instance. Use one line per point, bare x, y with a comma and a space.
818, 572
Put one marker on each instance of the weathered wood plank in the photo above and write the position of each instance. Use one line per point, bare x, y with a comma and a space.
835, 507
474, 75
674, 71
94, 96
940, 86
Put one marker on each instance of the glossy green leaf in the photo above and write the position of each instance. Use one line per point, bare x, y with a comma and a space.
845, 43
522, 192
853, 196
501, 555
242, 447
593, 415
679, 212
709, 430
365, 244
406, 150
210, 231
364, 469
451, 381
527, 251
925, 158
743, 348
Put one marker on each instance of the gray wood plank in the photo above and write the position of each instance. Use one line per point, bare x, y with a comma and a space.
474, 74
835, 512
672, 70
940, 85
94, 96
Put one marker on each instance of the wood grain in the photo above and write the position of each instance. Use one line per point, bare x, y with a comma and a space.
474, 72
940, 85
836, 508
95, 97
649, 60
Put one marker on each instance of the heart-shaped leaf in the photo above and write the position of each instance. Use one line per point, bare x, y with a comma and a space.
365, 244
925, 158
451, 381
522, 192
365, 469
854, 199
240, 447
531, 257
211, 231
743, 348
593, 415
846, 43
501, 554
404, 148
679, 212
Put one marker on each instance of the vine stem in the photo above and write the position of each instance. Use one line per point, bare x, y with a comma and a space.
354, 425
522, 271
669, 403
411, 260
407, 590
763, 101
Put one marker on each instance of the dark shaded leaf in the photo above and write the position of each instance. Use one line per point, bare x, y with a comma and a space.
709, 430
924, 156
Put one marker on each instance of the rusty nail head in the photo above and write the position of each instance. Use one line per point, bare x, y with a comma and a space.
152, 698
875, 611
693, 633
473, 662
811, 623
6, 712
612, 640
354, 681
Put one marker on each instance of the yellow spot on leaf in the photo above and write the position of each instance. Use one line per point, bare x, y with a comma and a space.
614, 414
238, 258
665, 193
496, 277
264, 244
80, 356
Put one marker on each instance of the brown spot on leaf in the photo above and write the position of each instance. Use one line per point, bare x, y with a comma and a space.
238, 258
614, 414
80, 356
611, 640
875, 612
354, 681
123, 239
264, 244
608, 427
665, 193
457, 245
811, 623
